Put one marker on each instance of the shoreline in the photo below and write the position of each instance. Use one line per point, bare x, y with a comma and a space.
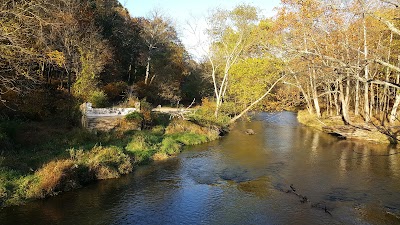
356, 131
112, 160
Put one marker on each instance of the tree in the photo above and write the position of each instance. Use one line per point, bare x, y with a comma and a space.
157, 31
229, 34
249, 80
331, 47
42, 38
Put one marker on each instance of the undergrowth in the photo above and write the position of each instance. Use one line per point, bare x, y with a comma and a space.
72, 158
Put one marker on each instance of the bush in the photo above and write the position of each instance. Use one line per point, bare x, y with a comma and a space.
170, 146
98, 99
134, 116
130, 102
205, 116
145, 109
7, 180
115, 90
78, 137
143, 146
52, 178
108, 162
162, 119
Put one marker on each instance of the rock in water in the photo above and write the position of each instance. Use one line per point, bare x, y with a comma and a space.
250, 132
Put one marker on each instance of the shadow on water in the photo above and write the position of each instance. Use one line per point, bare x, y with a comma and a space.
283, 174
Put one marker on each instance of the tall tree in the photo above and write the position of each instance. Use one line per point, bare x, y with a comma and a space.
157, 31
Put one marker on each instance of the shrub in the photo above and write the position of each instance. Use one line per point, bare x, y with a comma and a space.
158, 130
173, 143
52, 178
108, 162
130, 102
98, 99
9, 129
143, 146
134, 116
162, 119
159, 156
145, 109
7, 184
170, 146
78, 137
115, 90
138, 143
205, 116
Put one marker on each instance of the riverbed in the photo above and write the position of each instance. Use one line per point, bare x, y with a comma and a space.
285, 173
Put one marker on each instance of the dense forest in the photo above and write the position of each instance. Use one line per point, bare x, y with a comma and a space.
332, 58
55, 52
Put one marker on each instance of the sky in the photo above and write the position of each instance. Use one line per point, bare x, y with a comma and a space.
183, 12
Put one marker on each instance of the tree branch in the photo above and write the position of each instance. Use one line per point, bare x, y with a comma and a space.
257, 101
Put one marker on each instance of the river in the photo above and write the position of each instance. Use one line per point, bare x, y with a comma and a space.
242, 179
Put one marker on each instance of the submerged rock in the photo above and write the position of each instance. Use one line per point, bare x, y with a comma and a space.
250, 132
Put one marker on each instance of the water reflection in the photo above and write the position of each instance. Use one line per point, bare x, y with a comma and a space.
242, 179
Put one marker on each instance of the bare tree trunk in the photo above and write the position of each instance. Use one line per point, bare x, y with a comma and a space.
393, 113
372, 100
385, 98
366, 73
357, 91
314, 92
335, 96
328, 100
305, 95
147, 70
344, 103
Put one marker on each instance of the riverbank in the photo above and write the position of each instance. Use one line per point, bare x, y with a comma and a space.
358, 130
58, 159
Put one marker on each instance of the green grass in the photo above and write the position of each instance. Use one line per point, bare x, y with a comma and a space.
189, 138
134, 116
50, 160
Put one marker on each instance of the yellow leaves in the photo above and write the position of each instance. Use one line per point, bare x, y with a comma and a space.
56, 57
250, 77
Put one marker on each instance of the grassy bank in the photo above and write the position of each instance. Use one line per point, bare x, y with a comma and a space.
311, 120
40, 161
358, 129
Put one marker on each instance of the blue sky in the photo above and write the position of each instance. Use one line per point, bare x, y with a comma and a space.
193, 12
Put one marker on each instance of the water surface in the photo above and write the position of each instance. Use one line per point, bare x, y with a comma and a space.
242, 179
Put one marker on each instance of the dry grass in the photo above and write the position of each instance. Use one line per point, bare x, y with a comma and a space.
160, 156
108, 162
357, 130
52, 178
311, 120
184, 126
63, 175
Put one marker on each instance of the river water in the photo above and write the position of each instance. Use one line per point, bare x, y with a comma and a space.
242, 179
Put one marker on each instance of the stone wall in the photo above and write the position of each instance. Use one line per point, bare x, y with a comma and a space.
104, 119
